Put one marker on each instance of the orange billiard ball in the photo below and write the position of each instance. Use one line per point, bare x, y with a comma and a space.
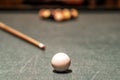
74, 13
44, 13
66, 13
57, 15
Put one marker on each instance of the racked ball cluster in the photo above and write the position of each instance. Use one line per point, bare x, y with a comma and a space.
58, 14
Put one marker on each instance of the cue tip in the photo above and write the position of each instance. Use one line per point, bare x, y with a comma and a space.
42, 46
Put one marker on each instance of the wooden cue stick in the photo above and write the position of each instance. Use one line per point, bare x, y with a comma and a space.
21, 35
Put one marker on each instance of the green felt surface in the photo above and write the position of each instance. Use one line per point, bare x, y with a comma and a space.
92, 41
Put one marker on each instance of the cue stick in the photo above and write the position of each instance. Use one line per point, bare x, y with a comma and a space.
21, 35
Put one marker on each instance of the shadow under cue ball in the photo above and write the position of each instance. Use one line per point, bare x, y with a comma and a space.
60, 62
44, 13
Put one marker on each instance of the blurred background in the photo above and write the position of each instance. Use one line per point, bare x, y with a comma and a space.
86, 4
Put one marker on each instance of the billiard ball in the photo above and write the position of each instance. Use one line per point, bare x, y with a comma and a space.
57, 10
66, 14
57, 15
44, 13
54, 11
74, 13
61, 62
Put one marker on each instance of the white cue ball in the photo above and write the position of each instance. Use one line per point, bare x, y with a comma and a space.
60, 62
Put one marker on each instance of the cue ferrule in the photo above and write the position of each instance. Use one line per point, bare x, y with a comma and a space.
21, 35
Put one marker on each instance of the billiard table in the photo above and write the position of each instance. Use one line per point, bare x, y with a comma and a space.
92, 41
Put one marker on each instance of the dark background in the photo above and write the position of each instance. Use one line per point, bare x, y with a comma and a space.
90, 4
